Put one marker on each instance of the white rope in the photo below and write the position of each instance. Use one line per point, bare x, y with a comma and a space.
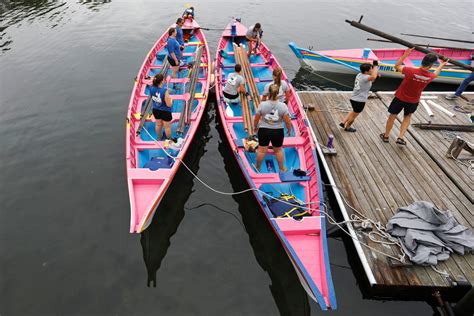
401, 258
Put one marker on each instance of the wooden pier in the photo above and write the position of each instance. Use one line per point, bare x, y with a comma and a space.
377, 178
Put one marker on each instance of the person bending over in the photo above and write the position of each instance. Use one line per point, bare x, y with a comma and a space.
268, 121
409, 92
254, 36
360, 94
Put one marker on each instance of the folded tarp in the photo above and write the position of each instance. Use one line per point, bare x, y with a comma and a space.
428, 234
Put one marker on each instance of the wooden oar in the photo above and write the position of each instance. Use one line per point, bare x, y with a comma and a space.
406, 43
439, 38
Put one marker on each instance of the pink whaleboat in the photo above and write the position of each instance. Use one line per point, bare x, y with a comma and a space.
150, 169
304, 240
348, 61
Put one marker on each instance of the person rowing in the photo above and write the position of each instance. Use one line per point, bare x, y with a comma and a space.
268, 121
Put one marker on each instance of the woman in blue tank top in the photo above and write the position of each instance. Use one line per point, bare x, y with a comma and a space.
161, 106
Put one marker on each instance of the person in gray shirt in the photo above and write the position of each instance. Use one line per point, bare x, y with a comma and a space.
360, 94
234, 85
269, 120
254, 36
284, 92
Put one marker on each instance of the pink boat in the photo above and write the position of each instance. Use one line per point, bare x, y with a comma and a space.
349, 60
304, 239
150, 166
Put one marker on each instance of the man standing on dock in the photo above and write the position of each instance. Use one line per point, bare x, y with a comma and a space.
409, 92
360, 94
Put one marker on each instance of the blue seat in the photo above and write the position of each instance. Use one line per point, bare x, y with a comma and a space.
156, 163
290, 177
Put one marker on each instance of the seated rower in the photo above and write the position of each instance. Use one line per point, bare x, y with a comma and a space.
189, 14
234, 85
162, 103
254, 36
284, 92
269, 121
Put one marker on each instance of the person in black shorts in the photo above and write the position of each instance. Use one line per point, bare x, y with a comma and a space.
161, 106
363, 83
269, 122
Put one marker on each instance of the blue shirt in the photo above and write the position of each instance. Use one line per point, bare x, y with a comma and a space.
173, 47
158, 98
179, 35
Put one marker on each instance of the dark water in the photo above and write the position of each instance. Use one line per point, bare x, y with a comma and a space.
66, 75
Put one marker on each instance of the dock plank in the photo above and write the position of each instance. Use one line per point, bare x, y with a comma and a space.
377, 178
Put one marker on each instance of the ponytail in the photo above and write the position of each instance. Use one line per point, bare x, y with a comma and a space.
273, 91
157, 80
277, 76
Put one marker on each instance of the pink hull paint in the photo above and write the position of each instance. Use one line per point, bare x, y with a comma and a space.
305, 240
147, 187
348, 61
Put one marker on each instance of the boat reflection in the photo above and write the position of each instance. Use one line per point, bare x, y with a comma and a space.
155, 240
289, 295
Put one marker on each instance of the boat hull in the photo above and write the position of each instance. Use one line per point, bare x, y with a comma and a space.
146, 185
304, 241
349, 61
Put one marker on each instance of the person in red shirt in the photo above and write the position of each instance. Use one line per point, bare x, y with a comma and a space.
409, 92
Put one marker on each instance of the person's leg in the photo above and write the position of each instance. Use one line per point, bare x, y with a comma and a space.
250, 46
389, 125
280, 157
347, 118
404, 126
175, 71
464, 84
158, 126
394, 109
261, 152
167, 117
351, 120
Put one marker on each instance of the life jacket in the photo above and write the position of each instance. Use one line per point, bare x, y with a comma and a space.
287, 206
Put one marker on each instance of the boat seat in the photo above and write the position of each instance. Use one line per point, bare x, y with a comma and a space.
156, 163
290, 177
287, 142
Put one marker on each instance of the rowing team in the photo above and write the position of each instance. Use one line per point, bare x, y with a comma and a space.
406, 97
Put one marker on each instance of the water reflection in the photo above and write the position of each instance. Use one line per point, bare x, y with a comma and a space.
289, 295
155, 240
51, 12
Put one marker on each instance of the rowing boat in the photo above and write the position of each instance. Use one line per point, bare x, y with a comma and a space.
304, 240
348, 61
151, 165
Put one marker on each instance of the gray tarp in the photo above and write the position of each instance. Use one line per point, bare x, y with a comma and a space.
429, 235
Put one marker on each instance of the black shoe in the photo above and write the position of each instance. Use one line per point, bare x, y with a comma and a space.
342, 125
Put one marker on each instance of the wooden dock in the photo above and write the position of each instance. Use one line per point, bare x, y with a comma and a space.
377, 178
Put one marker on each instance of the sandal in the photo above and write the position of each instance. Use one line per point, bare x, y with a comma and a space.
401, 141
384, 139
350, 130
